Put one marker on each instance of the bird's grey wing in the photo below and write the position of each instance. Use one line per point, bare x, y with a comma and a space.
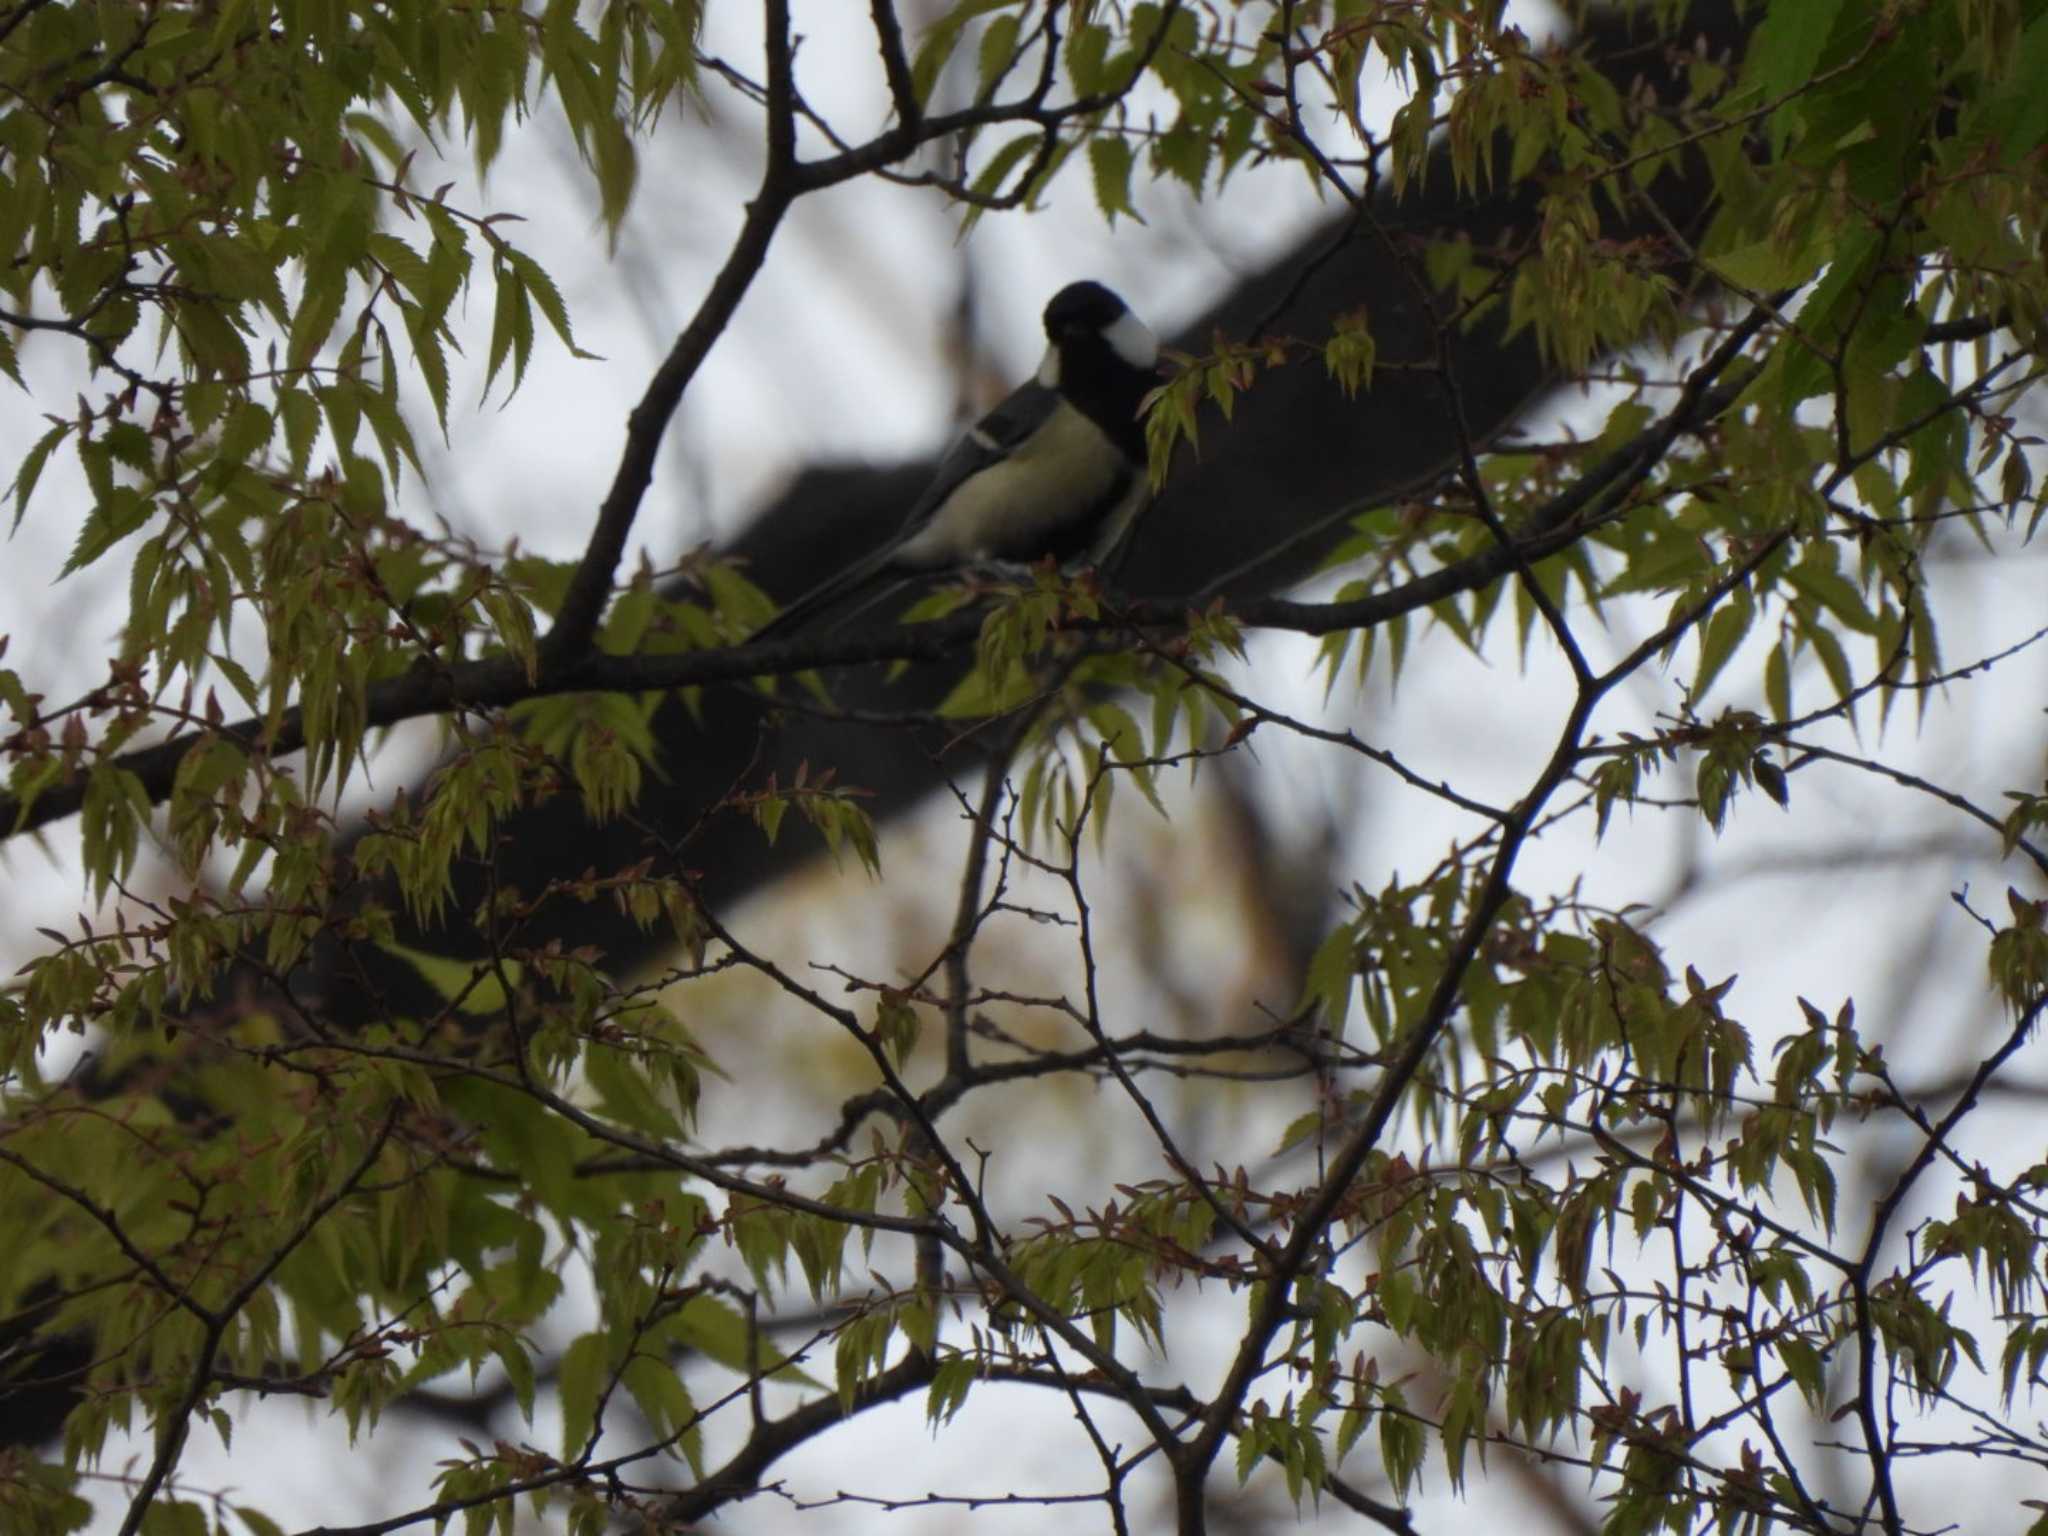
989, 441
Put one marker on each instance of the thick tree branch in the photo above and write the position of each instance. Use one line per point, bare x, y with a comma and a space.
498, 682
590, 588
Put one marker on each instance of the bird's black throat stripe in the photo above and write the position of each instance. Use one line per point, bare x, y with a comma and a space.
1105, 389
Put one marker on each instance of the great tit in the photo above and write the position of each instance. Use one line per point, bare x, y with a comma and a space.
1058, 468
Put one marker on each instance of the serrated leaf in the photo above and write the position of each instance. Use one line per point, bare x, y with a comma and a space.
1110, 159
998, 52
244, 434
1087, 50
542, 288
31, 467
1784, 49
1778, 683
995, 171
511, 326
474, 987
1724, 632
300, 413
319, 308
119, 511
581, 1378
1764, 266
936, 48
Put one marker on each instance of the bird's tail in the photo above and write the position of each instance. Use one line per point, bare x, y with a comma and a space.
793, 619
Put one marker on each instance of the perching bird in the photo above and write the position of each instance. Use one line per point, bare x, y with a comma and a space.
1057, 469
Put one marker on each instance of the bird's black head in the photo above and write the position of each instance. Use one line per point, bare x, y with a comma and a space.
1082, 309
1085, 321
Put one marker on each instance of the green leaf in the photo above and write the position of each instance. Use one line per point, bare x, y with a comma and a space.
2017, 113
1087, 52
897, 1027
541, 287
665, 1402
1778, 683
432, 362
300, 413
513, 621
319, 308
31, 467
511, 325
1783, 51
244, 434
988, 182
941, 38
1110, 161
1765, 266
174, 1517
1724, 632
623, 1086
952, 1380
119, 511
997, 54
583, 1374
720, 1331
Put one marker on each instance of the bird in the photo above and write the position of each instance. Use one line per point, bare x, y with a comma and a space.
1056, 469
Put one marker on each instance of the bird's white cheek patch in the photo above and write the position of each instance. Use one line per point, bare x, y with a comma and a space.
1132, 340
1049, 369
